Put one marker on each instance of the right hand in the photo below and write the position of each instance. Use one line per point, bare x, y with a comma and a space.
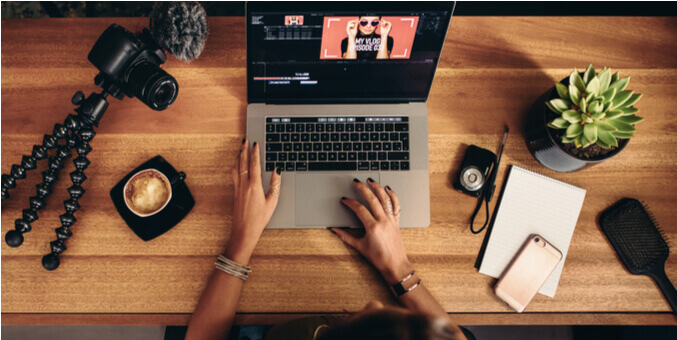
352, 29
382, 243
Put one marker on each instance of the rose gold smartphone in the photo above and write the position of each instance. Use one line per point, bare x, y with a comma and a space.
527, 272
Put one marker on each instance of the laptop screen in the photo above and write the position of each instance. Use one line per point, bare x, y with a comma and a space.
343, 52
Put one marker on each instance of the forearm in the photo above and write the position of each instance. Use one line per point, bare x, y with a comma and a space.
215, 312
351, 52
383, 49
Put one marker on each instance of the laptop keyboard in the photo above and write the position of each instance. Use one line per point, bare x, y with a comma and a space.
337, 144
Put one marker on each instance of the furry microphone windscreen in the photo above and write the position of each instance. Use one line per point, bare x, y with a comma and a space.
180, 27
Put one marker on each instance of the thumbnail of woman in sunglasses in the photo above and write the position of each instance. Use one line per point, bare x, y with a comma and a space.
363, 42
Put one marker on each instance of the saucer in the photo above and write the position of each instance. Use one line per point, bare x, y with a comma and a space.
150, 227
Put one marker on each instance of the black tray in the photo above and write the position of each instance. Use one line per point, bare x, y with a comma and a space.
148, 228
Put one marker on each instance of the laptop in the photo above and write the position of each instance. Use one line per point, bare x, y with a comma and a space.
337, 91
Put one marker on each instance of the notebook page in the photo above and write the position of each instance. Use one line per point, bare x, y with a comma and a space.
532, 204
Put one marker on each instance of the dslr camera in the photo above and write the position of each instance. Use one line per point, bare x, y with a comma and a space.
131, 63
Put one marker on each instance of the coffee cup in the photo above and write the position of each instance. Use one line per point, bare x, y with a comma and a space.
148, 191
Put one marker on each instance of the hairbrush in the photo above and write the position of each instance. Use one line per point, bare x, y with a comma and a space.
640, 244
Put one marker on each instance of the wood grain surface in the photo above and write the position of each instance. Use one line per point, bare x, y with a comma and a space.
491, 70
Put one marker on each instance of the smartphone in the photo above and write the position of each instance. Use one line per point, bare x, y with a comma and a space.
527, 272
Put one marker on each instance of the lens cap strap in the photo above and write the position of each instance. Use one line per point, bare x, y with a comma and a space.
487, 193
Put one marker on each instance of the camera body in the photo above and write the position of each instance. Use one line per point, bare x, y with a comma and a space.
474, 171
132, 63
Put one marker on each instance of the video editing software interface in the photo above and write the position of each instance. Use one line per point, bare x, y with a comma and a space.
343, 56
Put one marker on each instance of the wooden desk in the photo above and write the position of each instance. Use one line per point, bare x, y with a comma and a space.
491, 70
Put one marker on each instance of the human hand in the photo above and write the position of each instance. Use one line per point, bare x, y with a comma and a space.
382, 243
385, 28
252, 208
351, 28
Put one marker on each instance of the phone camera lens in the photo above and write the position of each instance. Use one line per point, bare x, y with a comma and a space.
537, 240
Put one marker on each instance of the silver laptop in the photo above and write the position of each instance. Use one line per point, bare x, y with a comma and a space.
339, 93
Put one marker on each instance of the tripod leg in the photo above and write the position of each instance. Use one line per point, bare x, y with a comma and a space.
80, 139
14, 238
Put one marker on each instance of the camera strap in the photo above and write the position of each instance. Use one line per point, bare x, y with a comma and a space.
485, 198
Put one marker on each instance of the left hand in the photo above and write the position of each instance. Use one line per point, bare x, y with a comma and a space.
252, 208
385, 28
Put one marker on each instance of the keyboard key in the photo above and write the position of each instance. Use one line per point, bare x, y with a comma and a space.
287, 147
270, 166
317, 146
305, 137
303, 156
387, 146
332, 166
332, 156
350, 127
389, 126
347, 147
376, 146
324, 137
374, 166
363, 166
362, 156
319, 127
405, 146
357, 146
373, 136
382, 156
291, 156
366, 146
334, 137
280, 165
298, 146
345, 137
369, 127
272, 147
404, 137
342, 156
364, 136
279, 128
394, 136
339, 127
289, 128
398, 156
404, 165
371, 156
290, 166
384, 165
315, 137
300, 127
272, 137
284, 137
401, 127
307, 147
384, 136
352, 156
397, 146
282, 157
359, 127
336, 147
301, 166
295, 137
378, 127
394, 165
310, 127
312, 156
354, 136
329, 127
326, 146
270, 128
271, 156
322, 156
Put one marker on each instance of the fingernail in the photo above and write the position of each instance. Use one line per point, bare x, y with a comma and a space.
388, 187
244, 140
254, 144
370, 180
278, 170
344, 198
333, 232
356, 180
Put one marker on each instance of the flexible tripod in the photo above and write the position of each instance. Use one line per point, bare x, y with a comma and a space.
77, 131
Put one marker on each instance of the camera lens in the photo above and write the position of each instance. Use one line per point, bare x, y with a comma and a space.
152, 85
472, 179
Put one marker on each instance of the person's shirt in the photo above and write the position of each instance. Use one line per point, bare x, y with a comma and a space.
367, 46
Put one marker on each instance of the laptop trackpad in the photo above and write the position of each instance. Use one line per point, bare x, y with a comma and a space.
318, 198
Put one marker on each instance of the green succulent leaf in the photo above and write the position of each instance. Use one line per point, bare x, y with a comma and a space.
590, 132
585, 142
562, 91
620, 99
607, 138
607, 105
632, 119
565, 139
620, 84
613, 114
629, 110
560, 105
589, 74
574, 130
595, 107
623, 135
574, 93
621, 126
577, 141
552, 108
605, 126
604, 79
559, 123
598, 115
572, 116
633, 99
583, 105
615, 77
602, 144
609, 94
575, 79
593, 86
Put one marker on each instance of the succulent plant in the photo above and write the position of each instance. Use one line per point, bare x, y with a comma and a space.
595, 109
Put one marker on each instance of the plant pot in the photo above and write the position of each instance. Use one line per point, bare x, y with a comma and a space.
541, 140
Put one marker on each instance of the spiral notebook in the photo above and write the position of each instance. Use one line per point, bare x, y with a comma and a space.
532, 204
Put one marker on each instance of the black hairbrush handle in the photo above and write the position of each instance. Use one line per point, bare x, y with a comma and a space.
666, 286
